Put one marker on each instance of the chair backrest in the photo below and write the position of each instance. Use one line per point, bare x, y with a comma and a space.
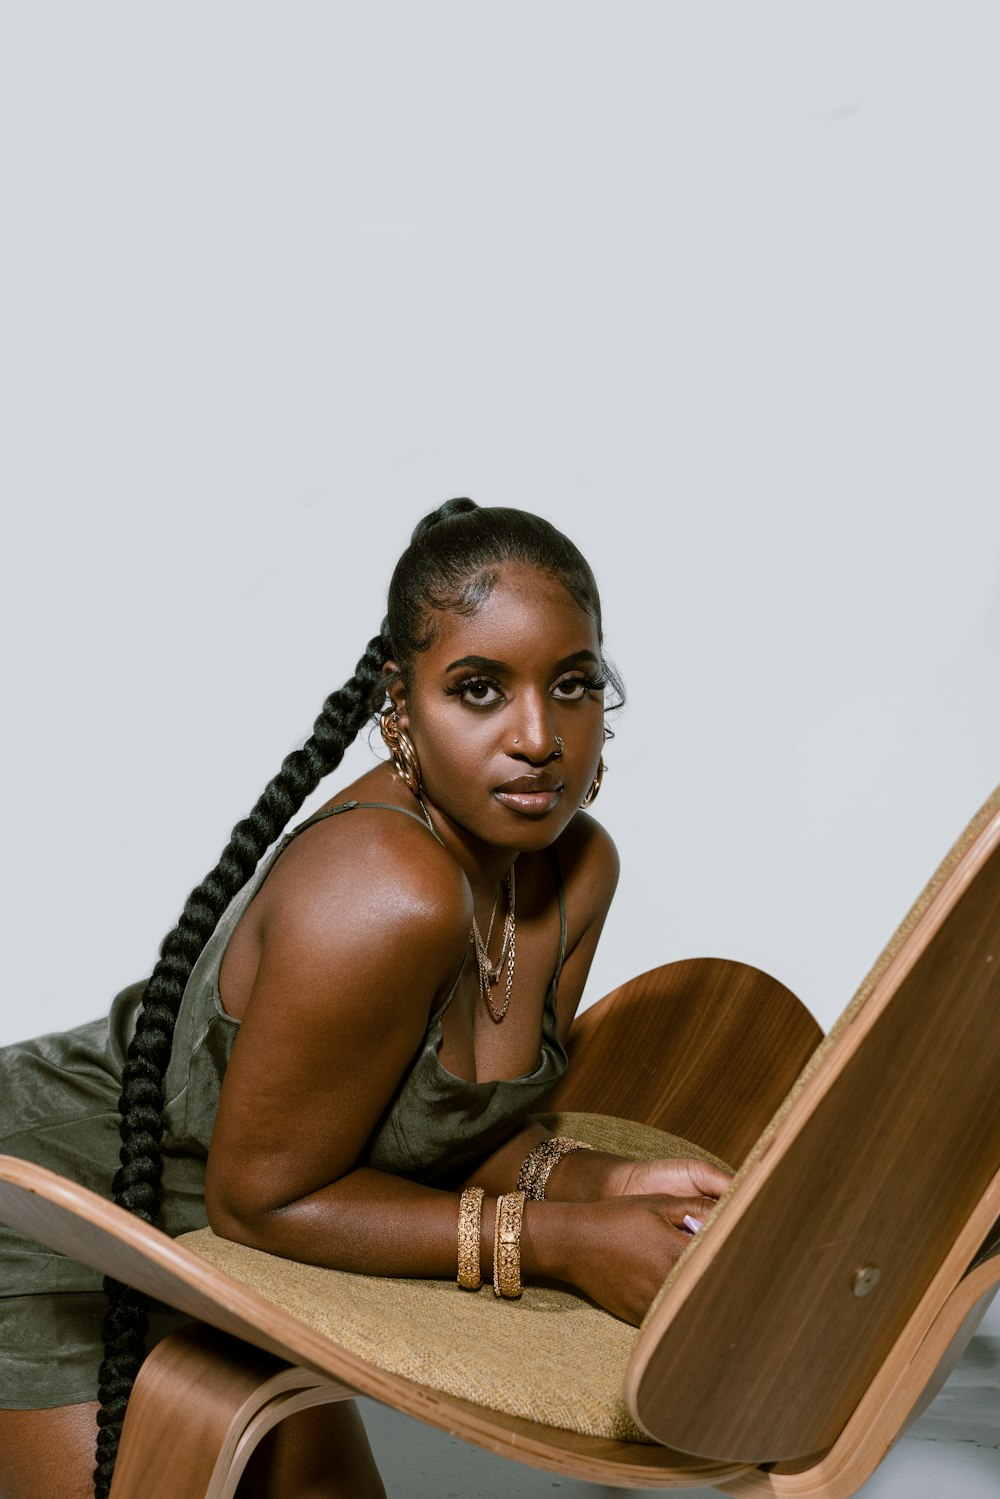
649, 1051
766, 1336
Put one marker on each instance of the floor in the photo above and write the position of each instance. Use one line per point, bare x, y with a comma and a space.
954, 1449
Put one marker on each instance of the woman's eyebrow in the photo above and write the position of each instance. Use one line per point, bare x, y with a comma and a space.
575, 660
481, 663
486, 663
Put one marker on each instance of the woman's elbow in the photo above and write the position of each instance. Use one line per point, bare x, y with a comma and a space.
237, 1208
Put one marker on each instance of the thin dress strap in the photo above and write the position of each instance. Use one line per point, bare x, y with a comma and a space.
350, 806
563, 925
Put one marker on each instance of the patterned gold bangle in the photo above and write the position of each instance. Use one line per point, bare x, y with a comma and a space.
538, 1164
507, 1246
470, 1223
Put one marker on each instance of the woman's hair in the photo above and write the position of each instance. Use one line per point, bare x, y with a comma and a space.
451, 564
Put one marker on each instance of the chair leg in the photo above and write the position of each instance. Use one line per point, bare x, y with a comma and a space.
201, 1403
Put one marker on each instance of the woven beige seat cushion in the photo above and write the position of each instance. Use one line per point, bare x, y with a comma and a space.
551, 1357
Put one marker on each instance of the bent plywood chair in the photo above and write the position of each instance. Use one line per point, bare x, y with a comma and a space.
822, 1305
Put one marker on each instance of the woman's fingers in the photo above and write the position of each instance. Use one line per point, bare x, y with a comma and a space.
688, 1213
707, 1179
676, 1178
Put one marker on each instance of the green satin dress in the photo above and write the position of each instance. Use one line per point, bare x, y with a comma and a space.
59, 1107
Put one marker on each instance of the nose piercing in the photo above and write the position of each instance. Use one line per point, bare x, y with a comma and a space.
558, 749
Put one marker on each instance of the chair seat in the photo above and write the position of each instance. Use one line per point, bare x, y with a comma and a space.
551, 1356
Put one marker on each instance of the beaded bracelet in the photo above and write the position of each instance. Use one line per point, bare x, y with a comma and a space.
538, 1163
470, 1224
507, 1246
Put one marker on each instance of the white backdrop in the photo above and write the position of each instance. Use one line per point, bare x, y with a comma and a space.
714, 288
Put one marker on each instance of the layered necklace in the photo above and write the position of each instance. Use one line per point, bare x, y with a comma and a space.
489, 972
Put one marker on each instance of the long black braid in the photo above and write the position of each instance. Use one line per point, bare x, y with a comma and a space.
450, 564
136, 1185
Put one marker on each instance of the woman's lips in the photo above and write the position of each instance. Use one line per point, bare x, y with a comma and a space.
530, 795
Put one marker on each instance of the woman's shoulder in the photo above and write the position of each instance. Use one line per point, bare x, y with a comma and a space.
587, 850
588, 865
364, 875
378, 857
362, 902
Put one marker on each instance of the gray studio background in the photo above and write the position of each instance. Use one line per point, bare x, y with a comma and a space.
713, 287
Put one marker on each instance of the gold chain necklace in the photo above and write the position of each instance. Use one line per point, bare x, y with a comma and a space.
489, 972
493, 970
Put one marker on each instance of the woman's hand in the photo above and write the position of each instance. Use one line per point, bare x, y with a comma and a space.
624, 1248
686, 1177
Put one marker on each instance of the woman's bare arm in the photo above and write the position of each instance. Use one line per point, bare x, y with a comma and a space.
361, 935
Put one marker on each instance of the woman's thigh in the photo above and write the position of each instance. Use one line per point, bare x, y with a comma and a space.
318, 1454
48, 1453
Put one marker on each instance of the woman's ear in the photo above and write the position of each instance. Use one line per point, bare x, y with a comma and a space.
396, 689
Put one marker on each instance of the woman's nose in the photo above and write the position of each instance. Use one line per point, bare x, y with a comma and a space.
533, 737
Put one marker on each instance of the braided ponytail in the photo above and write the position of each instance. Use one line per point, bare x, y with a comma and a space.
136, 1186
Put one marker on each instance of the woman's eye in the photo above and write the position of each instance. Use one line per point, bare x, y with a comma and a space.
480, 692
572, 689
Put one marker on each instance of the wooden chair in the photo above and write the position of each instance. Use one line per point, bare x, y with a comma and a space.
822, 1305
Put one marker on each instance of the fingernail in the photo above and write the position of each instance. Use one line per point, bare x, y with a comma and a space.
691, 1224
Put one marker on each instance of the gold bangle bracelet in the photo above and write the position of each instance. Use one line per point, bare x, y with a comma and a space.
538, 1164
507, 1246
470, 1224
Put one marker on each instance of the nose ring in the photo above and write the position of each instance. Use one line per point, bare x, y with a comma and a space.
557, 753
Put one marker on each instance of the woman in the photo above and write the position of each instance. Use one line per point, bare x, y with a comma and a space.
365, 1031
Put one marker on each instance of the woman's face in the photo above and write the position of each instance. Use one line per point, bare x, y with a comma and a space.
485, 703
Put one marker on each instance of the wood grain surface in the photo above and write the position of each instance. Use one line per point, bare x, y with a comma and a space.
705, 1048
760, 1350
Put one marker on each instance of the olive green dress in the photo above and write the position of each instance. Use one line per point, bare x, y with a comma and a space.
59, 1107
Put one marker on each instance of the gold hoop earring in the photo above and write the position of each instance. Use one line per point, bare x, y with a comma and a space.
595, 785
400, 747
